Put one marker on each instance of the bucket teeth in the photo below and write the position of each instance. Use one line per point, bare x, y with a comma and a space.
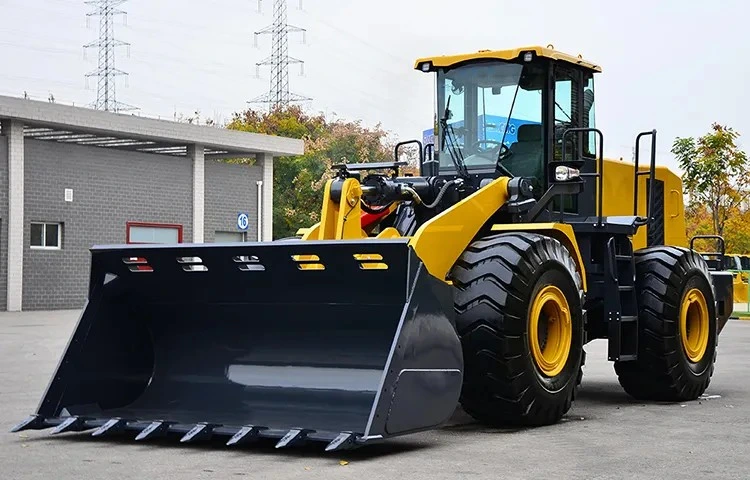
201, 431
32, 422
115, 425
245, 434
155, 429
71, 424
344, 441
294, 437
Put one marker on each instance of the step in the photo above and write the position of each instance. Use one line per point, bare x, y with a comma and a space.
628, 358
622, 258
628, 319
626, 288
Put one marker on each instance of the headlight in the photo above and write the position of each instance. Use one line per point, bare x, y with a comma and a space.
564, 173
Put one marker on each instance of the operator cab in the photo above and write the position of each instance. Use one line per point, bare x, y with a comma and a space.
503, 113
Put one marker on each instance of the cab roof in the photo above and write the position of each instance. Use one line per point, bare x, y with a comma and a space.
513, 54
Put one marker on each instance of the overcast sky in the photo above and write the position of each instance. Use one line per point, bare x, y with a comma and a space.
673, 65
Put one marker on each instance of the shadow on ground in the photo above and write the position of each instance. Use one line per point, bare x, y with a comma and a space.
604, 393
459, 422
387, 448
593, 393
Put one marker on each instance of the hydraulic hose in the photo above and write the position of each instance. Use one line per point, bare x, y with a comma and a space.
442, 192
415, 196
412, 192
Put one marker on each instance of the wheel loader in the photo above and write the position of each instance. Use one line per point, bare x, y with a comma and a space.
477, 282
739, 265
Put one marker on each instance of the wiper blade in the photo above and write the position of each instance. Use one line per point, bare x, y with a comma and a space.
444, 122
449, 135
456, 155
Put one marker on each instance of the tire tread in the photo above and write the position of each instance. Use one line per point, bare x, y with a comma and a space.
491, 279
658, 373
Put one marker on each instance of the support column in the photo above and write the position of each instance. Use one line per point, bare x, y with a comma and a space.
259, 211
195, 154
266, 163
13, 129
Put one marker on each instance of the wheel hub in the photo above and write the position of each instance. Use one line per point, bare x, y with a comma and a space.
694, 326
550, 330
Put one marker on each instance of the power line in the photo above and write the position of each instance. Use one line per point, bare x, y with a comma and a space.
278, 94
106, 98
371, 45
375, 99
211, 66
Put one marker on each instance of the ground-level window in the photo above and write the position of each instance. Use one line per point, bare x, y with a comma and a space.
139, 232
226, 237
46, 235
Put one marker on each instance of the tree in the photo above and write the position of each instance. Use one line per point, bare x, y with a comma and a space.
736, 230
299, 181
716, 174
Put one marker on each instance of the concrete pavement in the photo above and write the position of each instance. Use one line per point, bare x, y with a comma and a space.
606, 435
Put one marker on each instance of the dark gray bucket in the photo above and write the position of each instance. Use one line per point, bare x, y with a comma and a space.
337, 341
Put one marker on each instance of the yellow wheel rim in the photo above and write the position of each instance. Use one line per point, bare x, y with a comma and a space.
550, 330
694, 325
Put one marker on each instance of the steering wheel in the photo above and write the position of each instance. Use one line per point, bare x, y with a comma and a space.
503, 153
476, 144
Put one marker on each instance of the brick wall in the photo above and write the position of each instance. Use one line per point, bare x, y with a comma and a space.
3, 222
230, 189
111, 188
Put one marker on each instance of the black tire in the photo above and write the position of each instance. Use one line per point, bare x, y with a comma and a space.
496, 280
664, 371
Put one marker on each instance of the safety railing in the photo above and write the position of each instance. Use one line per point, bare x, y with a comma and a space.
650, 172
600, 167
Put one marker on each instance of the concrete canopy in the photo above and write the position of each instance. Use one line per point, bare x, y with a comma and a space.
68, 124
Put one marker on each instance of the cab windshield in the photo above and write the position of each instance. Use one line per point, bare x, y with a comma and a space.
491, 112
